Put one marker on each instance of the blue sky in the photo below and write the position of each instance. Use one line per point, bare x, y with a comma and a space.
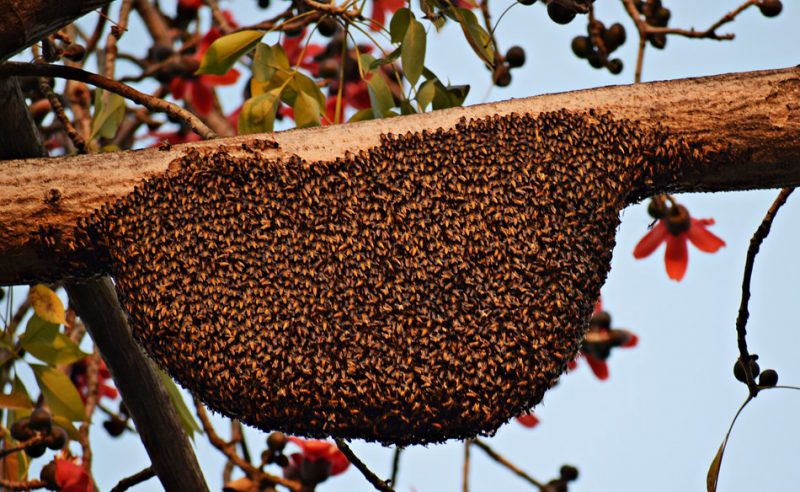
657, 422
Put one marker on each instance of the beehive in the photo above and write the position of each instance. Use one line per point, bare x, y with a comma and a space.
429, 288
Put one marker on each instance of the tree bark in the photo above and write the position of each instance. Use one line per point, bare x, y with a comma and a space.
754, 116
24, 23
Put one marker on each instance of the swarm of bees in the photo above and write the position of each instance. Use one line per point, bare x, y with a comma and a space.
429, 288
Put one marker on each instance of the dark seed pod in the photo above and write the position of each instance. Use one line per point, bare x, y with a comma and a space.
21, 430
601, 320
657, 208
276, 441
57, 438
329, 69
74, 52
594, 60
770, 8
115, 426
614, 36
264, 4
328, 27
515, 57
661, 17
615, 66
502, 76
768, 378
658, 41
41, 420
282, 460
48, 476
677, 220
36, 450
582, 46
559, 13
569, 473
526, 2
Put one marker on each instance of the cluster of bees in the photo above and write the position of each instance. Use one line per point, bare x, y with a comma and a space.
429, 288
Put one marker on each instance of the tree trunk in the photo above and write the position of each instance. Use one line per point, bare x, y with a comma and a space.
751, 120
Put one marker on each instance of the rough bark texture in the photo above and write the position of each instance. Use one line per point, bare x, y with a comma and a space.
24, 23
752, 117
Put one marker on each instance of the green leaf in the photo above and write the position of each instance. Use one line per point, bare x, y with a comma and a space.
190, 425
476, 35
394, 55
18, 398
406, 107
413, 55
306, 111
109, 110
449, 97
425, 94
301, 84
380, 96
44, 341
46, 304
362, 115
227, 50
258, 113
59, 393
399, 24
267, 60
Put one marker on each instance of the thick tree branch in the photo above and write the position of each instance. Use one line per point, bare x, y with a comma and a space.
754, 116
24, 23
139, 383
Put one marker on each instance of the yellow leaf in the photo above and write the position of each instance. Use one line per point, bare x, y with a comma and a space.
46, 304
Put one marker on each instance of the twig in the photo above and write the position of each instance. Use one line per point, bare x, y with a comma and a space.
92, 369
37, 439
155, 22
152, 103
21, 484
741, 321
331, 9
375, 480
113, 36
514, 469
396, 465
91, 43
219, 18
465, 471
487, 19
230, 453
134, 479
55, 103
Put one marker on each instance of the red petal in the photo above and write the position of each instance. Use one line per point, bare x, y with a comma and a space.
378, 15
651, 241
677, 257
702, 238
202, 97
339, 462
230, 77
599, 367
598, 306
528, 420
71, 477
212, 35
177, 87
632, 340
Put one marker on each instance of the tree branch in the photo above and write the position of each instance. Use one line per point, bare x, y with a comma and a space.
150, 102
755, 116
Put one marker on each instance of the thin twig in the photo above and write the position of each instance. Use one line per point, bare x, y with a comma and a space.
92, 382
487, 19
230, 453
396, 465
465, 471
152, 103
113, 36
21, 484
58, 108
91, 43
134, 479
741, 321
219, 18
375, 480
514, 469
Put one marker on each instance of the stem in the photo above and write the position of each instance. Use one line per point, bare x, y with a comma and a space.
375, 480
755, 245
395, 465
134, 479
465, 471
513, 468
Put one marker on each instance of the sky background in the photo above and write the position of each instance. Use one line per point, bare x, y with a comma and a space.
657, 422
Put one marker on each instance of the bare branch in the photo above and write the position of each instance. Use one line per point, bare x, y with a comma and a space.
134, 479
375, 480
513, 468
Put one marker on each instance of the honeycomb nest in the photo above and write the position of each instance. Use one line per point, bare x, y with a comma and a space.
430, 288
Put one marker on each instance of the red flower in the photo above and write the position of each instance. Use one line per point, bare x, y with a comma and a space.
675, 229
317, 461
528, 419
199, 89
71, 477
599, 341
190, 4
80, 380
379, 9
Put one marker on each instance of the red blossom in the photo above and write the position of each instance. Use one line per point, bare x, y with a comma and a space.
600, 340
80, 380
379, 9
317, 461
528, 419
190, 4
676, 257
199, 89
71, 477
